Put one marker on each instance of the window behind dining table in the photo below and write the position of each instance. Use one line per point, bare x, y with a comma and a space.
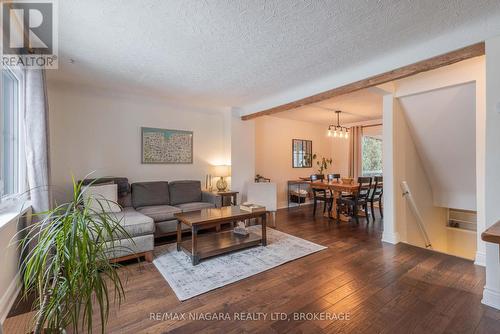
371, 152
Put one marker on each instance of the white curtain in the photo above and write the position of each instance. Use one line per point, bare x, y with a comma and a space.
37, 139
356, 135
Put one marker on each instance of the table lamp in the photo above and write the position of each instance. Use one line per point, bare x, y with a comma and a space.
222, 171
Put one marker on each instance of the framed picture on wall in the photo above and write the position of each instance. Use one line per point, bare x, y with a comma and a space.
301, 153
165, 146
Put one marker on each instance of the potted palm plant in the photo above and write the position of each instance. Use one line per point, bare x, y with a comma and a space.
67, 265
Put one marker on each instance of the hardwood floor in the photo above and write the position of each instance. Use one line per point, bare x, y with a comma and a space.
380, 288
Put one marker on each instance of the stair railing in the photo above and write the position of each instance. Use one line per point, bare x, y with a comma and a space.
420, 222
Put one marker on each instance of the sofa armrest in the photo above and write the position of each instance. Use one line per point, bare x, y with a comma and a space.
209, 197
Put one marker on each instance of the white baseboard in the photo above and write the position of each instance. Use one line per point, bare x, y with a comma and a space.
491, 298
9, 297
480, 259
391, 238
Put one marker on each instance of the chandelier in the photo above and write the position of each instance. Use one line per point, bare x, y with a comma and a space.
338, 130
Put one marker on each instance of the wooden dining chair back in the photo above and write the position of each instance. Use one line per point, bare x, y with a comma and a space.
332, 177
317, 177
359, 199
364, 188
320, 195
377, 194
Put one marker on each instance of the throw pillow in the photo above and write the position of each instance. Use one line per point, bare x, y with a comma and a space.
102, 197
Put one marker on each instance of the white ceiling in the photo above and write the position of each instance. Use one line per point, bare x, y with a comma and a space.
442, 124
231, 53
360, 106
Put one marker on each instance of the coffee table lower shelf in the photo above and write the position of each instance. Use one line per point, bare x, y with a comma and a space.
218, 243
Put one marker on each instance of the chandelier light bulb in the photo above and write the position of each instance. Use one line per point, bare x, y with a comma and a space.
338, 130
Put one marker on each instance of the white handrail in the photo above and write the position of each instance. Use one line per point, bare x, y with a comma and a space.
420, 221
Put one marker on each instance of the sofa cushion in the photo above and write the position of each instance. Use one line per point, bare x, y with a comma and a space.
194, 206
150, 193
159, 213
124, 247
184, 192
168, 227
134, 223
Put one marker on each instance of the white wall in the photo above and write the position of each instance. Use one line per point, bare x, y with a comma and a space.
273, 151
402, 163
442, 124
100, 131
391, 188
471, 70
242, 154
409, 167
10, 285
9, 258
375, 131
491, 294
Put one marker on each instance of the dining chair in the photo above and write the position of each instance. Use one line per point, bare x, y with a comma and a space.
332, 177
376, 195
318, 177
359, 199
320, 195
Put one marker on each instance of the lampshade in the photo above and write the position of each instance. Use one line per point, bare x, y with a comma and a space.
222, 170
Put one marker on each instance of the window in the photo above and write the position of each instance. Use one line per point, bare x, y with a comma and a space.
372, 155
12, 161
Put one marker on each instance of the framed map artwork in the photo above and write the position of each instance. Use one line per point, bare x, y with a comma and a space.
164, 146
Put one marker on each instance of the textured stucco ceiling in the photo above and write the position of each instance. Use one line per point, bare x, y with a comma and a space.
359, 106
233, 52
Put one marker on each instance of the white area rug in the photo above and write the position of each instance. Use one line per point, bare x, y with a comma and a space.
188, 281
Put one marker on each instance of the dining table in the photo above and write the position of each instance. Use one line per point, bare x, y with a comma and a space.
337, 187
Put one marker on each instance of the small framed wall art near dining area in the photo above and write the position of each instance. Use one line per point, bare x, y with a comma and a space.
301, 153
164, 146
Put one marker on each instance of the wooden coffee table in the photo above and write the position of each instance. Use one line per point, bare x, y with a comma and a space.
212, 244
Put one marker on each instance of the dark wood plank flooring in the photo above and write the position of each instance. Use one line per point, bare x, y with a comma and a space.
381, 287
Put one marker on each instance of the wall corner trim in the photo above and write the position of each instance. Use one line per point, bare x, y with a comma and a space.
391, 238
491, 298
480, 259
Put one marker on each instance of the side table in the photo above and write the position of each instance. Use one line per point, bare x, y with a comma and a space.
232, 195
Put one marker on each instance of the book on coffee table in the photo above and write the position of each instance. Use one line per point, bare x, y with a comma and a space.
250, 207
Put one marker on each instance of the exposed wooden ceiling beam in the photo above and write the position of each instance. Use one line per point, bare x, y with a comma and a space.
403, 72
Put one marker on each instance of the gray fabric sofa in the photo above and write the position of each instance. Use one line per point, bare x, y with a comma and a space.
161, 200
140, 228
149, 208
